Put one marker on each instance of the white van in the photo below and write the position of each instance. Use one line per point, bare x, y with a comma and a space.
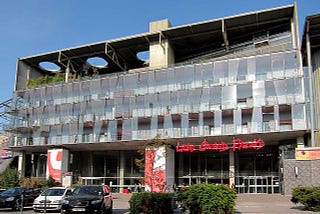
51, 199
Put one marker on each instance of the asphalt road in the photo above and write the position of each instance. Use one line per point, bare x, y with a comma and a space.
246, 203
28, 210
120, 206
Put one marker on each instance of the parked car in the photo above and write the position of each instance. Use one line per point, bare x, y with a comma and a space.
51, 199
89, 199
13, 197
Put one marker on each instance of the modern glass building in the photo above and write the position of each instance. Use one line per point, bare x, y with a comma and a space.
230, 95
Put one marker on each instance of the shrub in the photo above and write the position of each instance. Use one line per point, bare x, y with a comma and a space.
309, 196
208, 198
32, 182
9, 178
151, 203
41, 183
52, 183
58, 77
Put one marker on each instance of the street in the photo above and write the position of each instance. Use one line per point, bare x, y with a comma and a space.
120, 206
28, 210
246, 203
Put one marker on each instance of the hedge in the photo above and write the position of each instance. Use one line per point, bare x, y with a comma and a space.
208, 198
309, 196
151, 203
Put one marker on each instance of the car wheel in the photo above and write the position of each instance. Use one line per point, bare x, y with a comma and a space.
63, 212
16, 205
103, 209
109, 211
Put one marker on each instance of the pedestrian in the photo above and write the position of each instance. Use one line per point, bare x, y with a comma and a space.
174, 187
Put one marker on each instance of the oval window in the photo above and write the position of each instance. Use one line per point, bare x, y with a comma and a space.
97, 62
144, 55
49, 66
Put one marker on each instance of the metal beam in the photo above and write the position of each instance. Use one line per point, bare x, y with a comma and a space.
224, 34
114, 57
312, 106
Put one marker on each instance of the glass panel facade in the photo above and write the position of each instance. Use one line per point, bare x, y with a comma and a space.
176, 101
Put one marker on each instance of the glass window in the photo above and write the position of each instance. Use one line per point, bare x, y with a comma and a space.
290, 61
263, 66
299, 116
277, 62
244, 91
258, 92
229, 96
220, 71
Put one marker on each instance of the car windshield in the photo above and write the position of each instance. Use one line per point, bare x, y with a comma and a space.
12, 191
53, 192
88, 190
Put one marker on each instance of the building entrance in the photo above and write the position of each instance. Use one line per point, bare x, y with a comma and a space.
258, 184
202, 167
257, 172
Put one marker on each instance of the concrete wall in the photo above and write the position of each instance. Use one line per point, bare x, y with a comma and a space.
316, 69
161, 52
300, 173
170, 168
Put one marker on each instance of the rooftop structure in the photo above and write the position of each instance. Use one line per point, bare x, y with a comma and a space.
237, 79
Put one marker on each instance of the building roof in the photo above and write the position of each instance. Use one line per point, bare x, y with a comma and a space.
311, 26
187, 41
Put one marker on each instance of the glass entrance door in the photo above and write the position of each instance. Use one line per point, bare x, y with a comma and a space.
202, 167
257, 172
258, 184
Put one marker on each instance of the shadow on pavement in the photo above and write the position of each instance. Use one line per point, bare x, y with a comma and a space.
300, 207
119, 211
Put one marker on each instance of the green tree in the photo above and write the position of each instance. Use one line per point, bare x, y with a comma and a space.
58, 77
208, 198
9, 178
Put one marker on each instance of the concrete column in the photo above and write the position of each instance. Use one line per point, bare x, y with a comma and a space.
91, 164
21, 165
170, 167
65, 160
122, 170
37, 167
159, 168
33, 166
300, 142
231, 168
66, 178
161, 54
181, 166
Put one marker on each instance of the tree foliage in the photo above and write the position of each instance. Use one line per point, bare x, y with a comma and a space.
309, 196
153, 143
208, 198
58, 77
9, 178
147, 202
41, 183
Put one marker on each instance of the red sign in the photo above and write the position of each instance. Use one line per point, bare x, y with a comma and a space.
237, 144
6, 154
54, 162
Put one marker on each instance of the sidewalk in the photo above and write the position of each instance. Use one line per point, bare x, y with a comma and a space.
267, 203
246, 203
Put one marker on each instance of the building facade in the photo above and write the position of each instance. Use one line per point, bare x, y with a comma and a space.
230, 95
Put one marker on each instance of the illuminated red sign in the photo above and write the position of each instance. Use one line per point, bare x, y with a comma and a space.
237, 145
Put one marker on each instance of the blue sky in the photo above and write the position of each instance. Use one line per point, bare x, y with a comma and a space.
33, 27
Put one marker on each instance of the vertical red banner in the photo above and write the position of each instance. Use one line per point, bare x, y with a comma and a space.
155, 175
54, 163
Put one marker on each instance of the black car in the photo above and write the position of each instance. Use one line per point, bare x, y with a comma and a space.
13, 197
89, 199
